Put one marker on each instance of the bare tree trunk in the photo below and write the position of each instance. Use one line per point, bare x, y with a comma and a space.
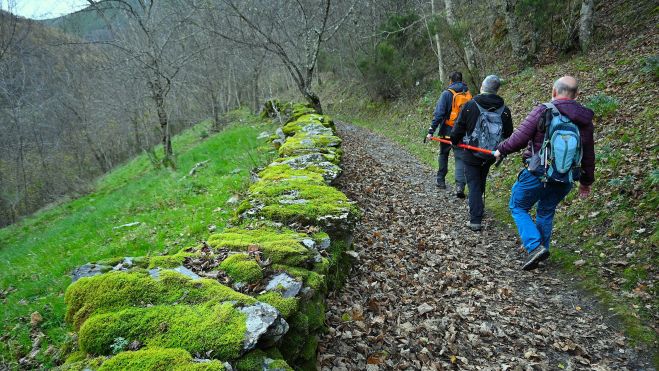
468, 45
215, 105
513, 32
158, 96
313, 99
586, 24
438, 50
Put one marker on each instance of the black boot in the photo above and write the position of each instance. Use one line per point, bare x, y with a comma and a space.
539, 254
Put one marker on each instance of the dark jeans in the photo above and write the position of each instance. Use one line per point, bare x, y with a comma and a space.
444, 150
476, 177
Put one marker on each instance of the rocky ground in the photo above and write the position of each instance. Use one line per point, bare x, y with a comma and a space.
427, 293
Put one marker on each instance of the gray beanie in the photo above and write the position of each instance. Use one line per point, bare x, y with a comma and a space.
491, 84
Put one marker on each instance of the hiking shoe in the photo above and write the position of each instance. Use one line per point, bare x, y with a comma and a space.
539, 254
440, 185
474, 226
460, 194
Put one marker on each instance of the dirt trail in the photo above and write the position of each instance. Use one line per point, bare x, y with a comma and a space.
427, 293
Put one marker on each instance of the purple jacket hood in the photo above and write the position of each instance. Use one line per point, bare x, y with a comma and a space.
528, 136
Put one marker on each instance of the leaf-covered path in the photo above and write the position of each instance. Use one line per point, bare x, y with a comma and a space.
427, 293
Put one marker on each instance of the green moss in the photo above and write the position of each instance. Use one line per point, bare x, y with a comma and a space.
309, 119
83, 364
295, 200
286, 306
76, 356
166, 261
298, 110
292, 344
242, 268
279, 245
299, 322
302, 143
286, 172
257, 359
252, 361
219, 328
315, 312
279, 364
325, 156
308, 352
310, 278
158, 359
116, 290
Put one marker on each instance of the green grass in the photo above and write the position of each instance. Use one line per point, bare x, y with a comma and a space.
175, 210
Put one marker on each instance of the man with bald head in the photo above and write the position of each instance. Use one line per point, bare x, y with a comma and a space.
533, 189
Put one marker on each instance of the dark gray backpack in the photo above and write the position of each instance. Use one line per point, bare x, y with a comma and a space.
488, 131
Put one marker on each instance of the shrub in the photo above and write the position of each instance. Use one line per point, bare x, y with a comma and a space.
603, 105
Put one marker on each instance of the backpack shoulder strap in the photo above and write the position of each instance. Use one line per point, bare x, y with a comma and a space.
480, 108
452, 92
500, 110
553, 108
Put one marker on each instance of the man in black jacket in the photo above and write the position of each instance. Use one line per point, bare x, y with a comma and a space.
477, 168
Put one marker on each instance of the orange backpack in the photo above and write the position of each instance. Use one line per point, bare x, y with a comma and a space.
459, 99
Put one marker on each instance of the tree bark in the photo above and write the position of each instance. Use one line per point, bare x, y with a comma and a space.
438, 50
586, 24
215, 106
513, 32
468, 45
163, 120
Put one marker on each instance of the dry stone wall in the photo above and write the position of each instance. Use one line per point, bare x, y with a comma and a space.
249, 298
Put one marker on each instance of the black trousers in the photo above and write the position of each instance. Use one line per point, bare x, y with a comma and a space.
476, 176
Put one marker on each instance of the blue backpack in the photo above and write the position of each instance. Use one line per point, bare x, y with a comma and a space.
559, 158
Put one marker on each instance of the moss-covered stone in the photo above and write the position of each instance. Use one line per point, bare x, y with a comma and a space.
286, 172
218, 328
303, 121
311, 279
242, 268
298, 110
286, 306
156, 359
295, 200
314, 162
303, 143
258, 360
116, 290
279, 245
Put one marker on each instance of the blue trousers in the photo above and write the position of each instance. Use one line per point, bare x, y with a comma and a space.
528, 191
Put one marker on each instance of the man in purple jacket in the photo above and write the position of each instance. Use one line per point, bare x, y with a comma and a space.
528, 189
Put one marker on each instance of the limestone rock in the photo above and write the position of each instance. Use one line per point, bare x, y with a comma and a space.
264, 325
285, 284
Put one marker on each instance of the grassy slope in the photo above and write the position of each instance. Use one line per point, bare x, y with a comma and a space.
38, 254
615, 231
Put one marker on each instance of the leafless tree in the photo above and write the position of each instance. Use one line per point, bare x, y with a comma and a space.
154, 42
291, 30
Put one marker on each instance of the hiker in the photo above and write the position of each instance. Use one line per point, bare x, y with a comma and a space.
446, 111
483, 122
546, 183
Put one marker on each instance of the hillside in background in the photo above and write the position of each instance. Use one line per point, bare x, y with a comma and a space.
610, 240
134, 210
